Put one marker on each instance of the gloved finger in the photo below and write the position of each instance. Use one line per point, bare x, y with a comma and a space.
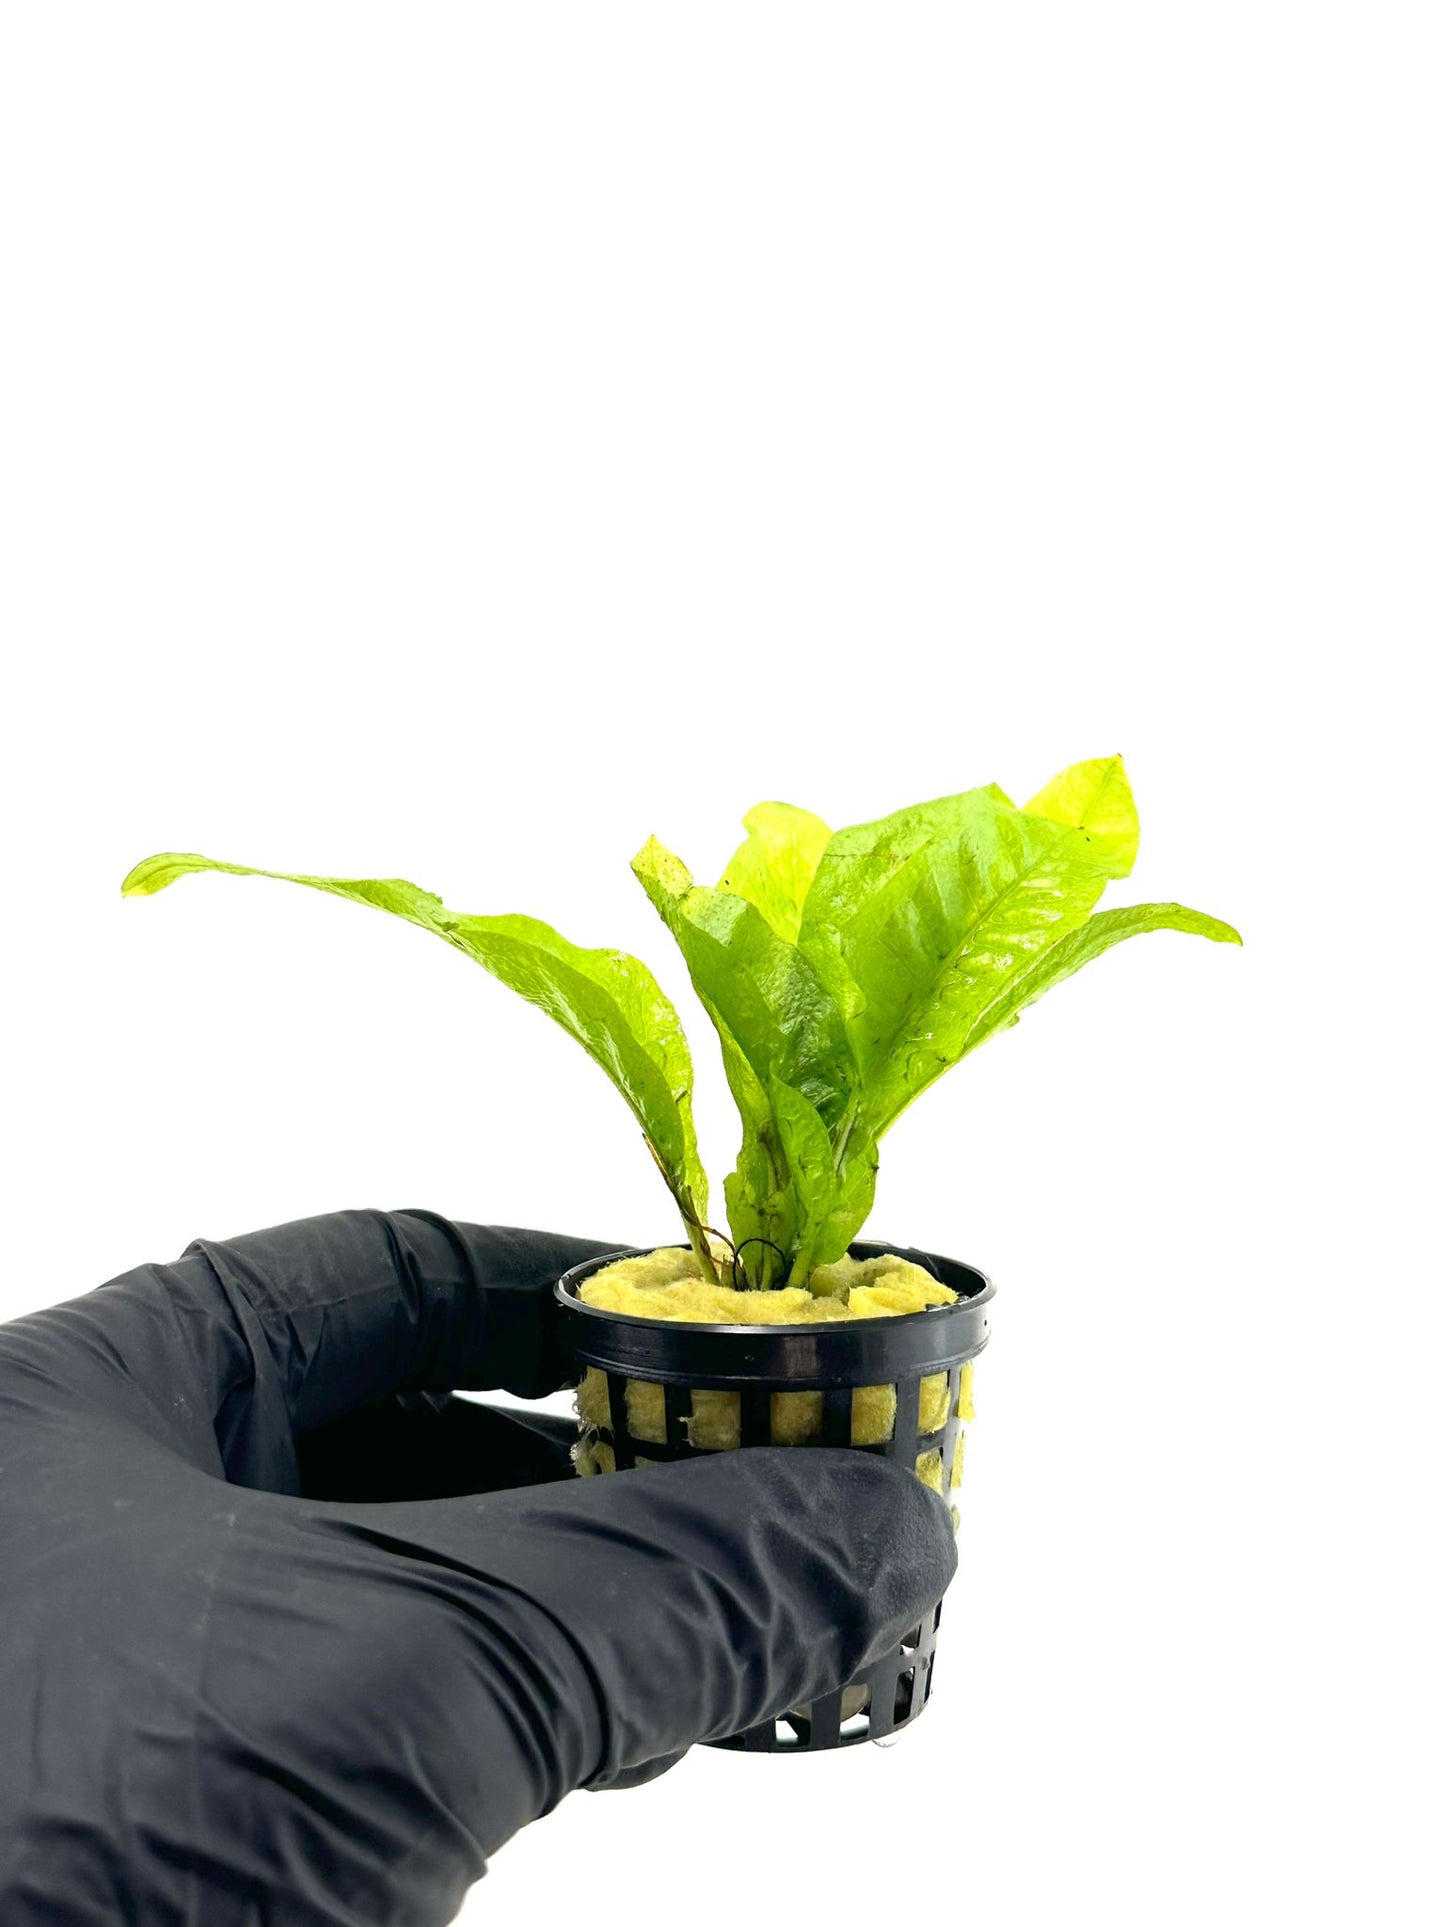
697, 1599
242, 1343
432, 1446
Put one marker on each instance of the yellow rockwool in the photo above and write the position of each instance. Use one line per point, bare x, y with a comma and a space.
669, 1284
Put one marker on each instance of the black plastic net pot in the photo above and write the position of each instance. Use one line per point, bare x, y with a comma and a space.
657, 1390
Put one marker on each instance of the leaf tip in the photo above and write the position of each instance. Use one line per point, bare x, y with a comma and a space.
655, 864
152, 873
1217, 930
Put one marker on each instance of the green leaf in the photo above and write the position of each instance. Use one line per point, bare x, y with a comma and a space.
1095, 797
758, 1193
607, 1000
762, 995
1100, 933
776, 1024
833, 1176
759, 1203
931, 912
775, 866
862, 863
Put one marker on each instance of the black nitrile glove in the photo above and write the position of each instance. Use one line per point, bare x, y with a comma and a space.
286, 1638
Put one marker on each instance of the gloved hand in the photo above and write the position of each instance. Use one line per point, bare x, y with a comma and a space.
287, 1638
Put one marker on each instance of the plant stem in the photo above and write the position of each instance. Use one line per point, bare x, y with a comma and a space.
697, 1238
802, 1266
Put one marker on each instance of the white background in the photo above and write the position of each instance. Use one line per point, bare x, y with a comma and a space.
456, 442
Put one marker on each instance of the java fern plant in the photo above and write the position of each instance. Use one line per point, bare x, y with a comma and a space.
844, 970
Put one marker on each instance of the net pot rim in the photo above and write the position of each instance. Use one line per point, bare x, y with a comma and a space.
848, 1351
